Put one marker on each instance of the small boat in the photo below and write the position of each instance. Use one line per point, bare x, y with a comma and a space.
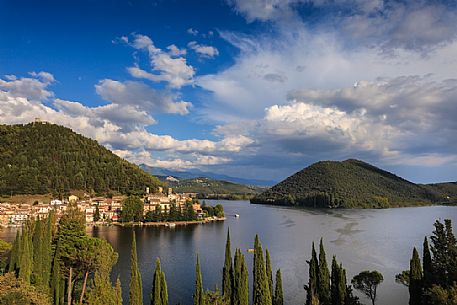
251, 250
171, 225
237, 215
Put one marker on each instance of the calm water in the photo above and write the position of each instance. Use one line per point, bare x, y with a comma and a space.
361, 239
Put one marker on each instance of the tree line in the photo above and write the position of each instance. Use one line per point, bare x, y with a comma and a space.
433, 281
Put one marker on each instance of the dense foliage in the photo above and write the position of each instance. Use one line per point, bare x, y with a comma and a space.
347, 184
44, 158
435, 281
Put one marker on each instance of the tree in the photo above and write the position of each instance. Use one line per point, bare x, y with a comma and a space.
118, 291
25, 254
159, 294
199, 297
37, 266
278, 296
5, 248
17, 291
338, 286
102, 291
227, 271
269, 272
97, 213
323, 287
427, 265
415, 279
132, 209
367, 282
240, 294
311, 288
136, 290
261, 292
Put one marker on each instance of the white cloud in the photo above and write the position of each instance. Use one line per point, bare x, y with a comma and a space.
168, 67
121, 124
33, 88
204, 50
175, 51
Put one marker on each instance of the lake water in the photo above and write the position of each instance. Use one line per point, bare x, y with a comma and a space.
361, 240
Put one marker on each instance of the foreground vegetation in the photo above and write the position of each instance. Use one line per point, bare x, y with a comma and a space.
57, 263
353, 184
46, 158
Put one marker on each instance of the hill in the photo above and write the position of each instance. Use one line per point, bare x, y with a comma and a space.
347, 184
446, 190
196, 173
214, 189
41, 158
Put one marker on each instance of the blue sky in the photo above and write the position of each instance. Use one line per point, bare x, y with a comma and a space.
254, 88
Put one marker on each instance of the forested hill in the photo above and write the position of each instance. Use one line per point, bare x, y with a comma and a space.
40, 158
348, 184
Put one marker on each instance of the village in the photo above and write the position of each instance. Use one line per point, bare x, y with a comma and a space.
97, 209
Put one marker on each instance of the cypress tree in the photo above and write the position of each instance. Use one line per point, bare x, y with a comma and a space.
159, 294
37, 266
164, 292
427, 265
118, 291
323, 287
47, 249
336, 284
227, 271
311, 288
240, 295
261, 292
56, 279
198, 294
156, 296
278, 297
14, 255
415, 279
342, 284
26, 255
269, 272
136, 290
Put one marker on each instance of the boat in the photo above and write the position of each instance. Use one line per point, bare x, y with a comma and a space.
237, 215
251, 250
171, 225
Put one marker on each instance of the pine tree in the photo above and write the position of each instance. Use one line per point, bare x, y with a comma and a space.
199, 294
415, 279
164, 291
342, 287
269, 272
240, 294
323, 287
136, 290
311, 288
427, 265
227, 271
235, 298
278, 297
261, 292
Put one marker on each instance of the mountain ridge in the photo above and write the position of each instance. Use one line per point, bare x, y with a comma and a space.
350, 184
38, 158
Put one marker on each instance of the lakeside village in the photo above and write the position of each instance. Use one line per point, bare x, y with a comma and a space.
166, 208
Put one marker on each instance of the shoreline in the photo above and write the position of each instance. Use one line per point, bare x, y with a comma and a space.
159, 224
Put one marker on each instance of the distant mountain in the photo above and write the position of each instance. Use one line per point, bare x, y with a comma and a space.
41, 158
349, 184
214, 189
195, 173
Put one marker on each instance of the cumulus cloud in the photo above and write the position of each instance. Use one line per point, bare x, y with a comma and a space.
203, 50
119, 125
166, 67
34, 88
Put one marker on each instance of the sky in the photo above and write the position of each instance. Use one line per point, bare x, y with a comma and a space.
246, 88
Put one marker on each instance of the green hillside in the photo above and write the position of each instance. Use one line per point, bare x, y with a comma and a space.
347, 184
210, 188
45, 158
446, 190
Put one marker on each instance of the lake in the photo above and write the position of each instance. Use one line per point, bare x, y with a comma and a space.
361, 240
